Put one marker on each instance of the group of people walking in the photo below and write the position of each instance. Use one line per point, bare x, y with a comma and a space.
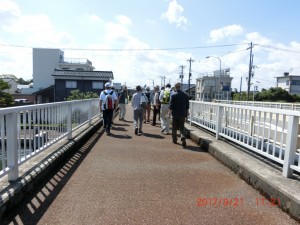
166, 103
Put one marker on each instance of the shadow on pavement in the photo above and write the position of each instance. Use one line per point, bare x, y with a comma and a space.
36, 203
153, 136
120, 136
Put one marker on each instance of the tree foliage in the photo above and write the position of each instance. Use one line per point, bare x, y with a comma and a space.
76, 95
22, 81
274, 94
6, 99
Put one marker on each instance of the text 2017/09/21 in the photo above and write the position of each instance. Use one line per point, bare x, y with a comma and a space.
217, 201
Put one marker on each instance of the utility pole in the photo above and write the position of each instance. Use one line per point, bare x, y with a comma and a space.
181, 75
162, 78
153, 83
250, 71
240, 88
190, 74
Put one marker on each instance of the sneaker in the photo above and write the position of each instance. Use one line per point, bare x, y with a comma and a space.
140, 132
183, 142
163, 130
153, 124
136, 131
174, 141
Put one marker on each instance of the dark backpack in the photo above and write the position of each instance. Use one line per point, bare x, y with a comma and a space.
144, 101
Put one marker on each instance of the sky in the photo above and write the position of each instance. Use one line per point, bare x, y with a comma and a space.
147, 42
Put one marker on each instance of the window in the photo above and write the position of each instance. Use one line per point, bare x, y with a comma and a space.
209, 82
295, 82
287, 82
71, 84
97, 85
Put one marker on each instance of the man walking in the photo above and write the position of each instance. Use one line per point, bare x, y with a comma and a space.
138, 111
156, 105
123, 96
164, 98
179, 107
108, 102
148, 107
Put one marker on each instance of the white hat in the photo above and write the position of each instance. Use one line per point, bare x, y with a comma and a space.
107, 84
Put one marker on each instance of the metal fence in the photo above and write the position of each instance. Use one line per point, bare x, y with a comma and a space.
25, 131
270, 132
276, 105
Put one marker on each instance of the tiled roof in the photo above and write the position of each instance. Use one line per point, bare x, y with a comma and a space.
74, 73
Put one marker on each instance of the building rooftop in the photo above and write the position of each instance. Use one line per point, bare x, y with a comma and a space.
74, 73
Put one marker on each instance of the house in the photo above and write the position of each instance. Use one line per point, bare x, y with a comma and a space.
85, 81
55, 76
11, 80
290, 83
216, 85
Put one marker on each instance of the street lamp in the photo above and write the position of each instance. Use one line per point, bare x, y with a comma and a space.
220, 71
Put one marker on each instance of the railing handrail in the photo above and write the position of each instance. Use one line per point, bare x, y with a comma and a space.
261, 109
27, 130
270, 132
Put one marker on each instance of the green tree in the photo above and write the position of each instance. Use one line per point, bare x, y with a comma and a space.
22, 81
6, 99
77, 95
275, 94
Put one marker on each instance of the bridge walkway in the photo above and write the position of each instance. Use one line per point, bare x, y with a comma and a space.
144, 179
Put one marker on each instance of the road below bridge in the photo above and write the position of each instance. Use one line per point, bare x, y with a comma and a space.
145, 179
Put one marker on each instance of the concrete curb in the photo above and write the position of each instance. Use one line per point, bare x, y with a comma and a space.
284, 192
15, 192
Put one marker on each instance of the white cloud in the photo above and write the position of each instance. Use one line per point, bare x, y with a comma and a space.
95, 18
174, 14
228, 31
9, 11
124, 20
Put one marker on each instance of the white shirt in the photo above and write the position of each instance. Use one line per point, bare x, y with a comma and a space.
103, 96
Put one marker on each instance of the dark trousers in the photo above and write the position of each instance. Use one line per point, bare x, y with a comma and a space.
107, 118
178, 123
156, 110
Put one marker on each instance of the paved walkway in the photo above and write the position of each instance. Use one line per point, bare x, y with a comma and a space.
146, 179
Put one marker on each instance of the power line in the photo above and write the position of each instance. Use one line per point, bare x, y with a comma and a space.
137, 49
276, 48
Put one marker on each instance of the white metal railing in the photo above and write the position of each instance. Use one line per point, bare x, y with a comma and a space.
276, 105
270, 132
25, 131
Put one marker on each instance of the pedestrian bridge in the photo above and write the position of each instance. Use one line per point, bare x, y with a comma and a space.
63, 169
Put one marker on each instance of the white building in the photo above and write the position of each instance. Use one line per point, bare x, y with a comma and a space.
290, 83
45, 61
216, 85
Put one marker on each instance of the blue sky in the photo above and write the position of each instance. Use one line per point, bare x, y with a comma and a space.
140, 41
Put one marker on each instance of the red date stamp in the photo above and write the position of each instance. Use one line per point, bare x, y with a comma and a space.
234, 202
220, 201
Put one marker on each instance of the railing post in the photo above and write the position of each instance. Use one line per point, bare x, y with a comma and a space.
69, 121
90, 112
291, 145
219, 121
12, 146
191, 112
